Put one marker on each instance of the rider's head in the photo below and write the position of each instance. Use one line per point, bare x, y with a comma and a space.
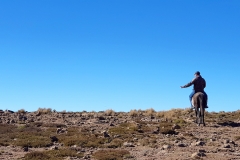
197, 73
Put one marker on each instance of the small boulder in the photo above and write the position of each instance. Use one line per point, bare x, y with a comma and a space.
53, 138
226, 146
176, 126
198, 155
25, 149
166, 146
54, 148
226, 141
182, 145
105, 134
126, 144
61, 130
199, 143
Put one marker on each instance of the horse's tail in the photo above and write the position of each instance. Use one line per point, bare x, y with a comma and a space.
202, 105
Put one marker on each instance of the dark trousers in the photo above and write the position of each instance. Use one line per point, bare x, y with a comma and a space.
193, 92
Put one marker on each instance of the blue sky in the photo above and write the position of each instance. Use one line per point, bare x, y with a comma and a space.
122, 55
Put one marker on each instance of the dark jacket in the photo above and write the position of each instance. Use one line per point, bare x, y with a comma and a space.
198, 83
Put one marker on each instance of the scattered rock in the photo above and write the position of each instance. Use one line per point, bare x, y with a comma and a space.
53, 138
105, 134
226, 141
226, 146
9, 111
126, 144
111, 124
156, 130
198, 155
143, 139
61, 130
54, 148
166, 146
199, 143
176, 126
182, 145
25, 149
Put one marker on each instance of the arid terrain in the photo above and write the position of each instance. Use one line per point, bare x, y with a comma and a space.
109, 135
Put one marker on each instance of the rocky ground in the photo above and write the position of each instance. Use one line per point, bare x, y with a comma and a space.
109, 135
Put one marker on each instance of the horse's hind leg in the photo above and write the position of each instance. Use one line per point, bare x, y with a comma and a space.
198, 117
202, 116
196, 112
203, 112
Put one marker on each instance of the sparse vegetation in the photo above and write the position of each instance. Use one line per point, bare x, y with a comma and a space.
109, 131
150, 112
115, 143
124, 129
44, 110
21, 111
111, 154
109, 112
36, 155
237, 138
52, 155
133, 113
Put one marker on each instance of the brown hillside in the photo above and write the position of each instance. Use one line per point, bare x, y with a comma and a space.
109, 135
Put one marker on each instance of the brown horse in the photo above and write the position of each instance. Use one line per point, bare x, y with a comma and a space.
199, 102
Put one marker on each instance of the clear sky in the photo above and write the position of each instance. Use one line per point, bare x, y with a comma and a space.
96, 55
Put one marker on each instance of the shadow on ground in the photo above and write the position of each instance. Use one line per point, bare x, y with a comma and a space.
229, 123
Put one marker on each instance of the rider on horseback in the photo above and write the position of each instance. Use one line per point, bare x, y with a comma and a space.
199, 84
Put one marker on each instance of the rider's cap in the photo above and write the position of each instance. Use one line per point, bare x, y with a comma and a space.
197, 73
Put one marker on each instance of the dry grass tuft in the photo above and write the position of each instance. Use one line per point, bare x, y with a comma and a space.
44, 110
174, 113
7, 134
133, 113
83, 140
109, 112
115, 143
237, 138
36, 155
111, 154
21, 111
124, 129
148, 141
150, 112
53, 154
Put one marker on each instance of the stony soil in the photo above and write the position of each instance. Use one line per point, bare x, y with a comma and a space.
219, 139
